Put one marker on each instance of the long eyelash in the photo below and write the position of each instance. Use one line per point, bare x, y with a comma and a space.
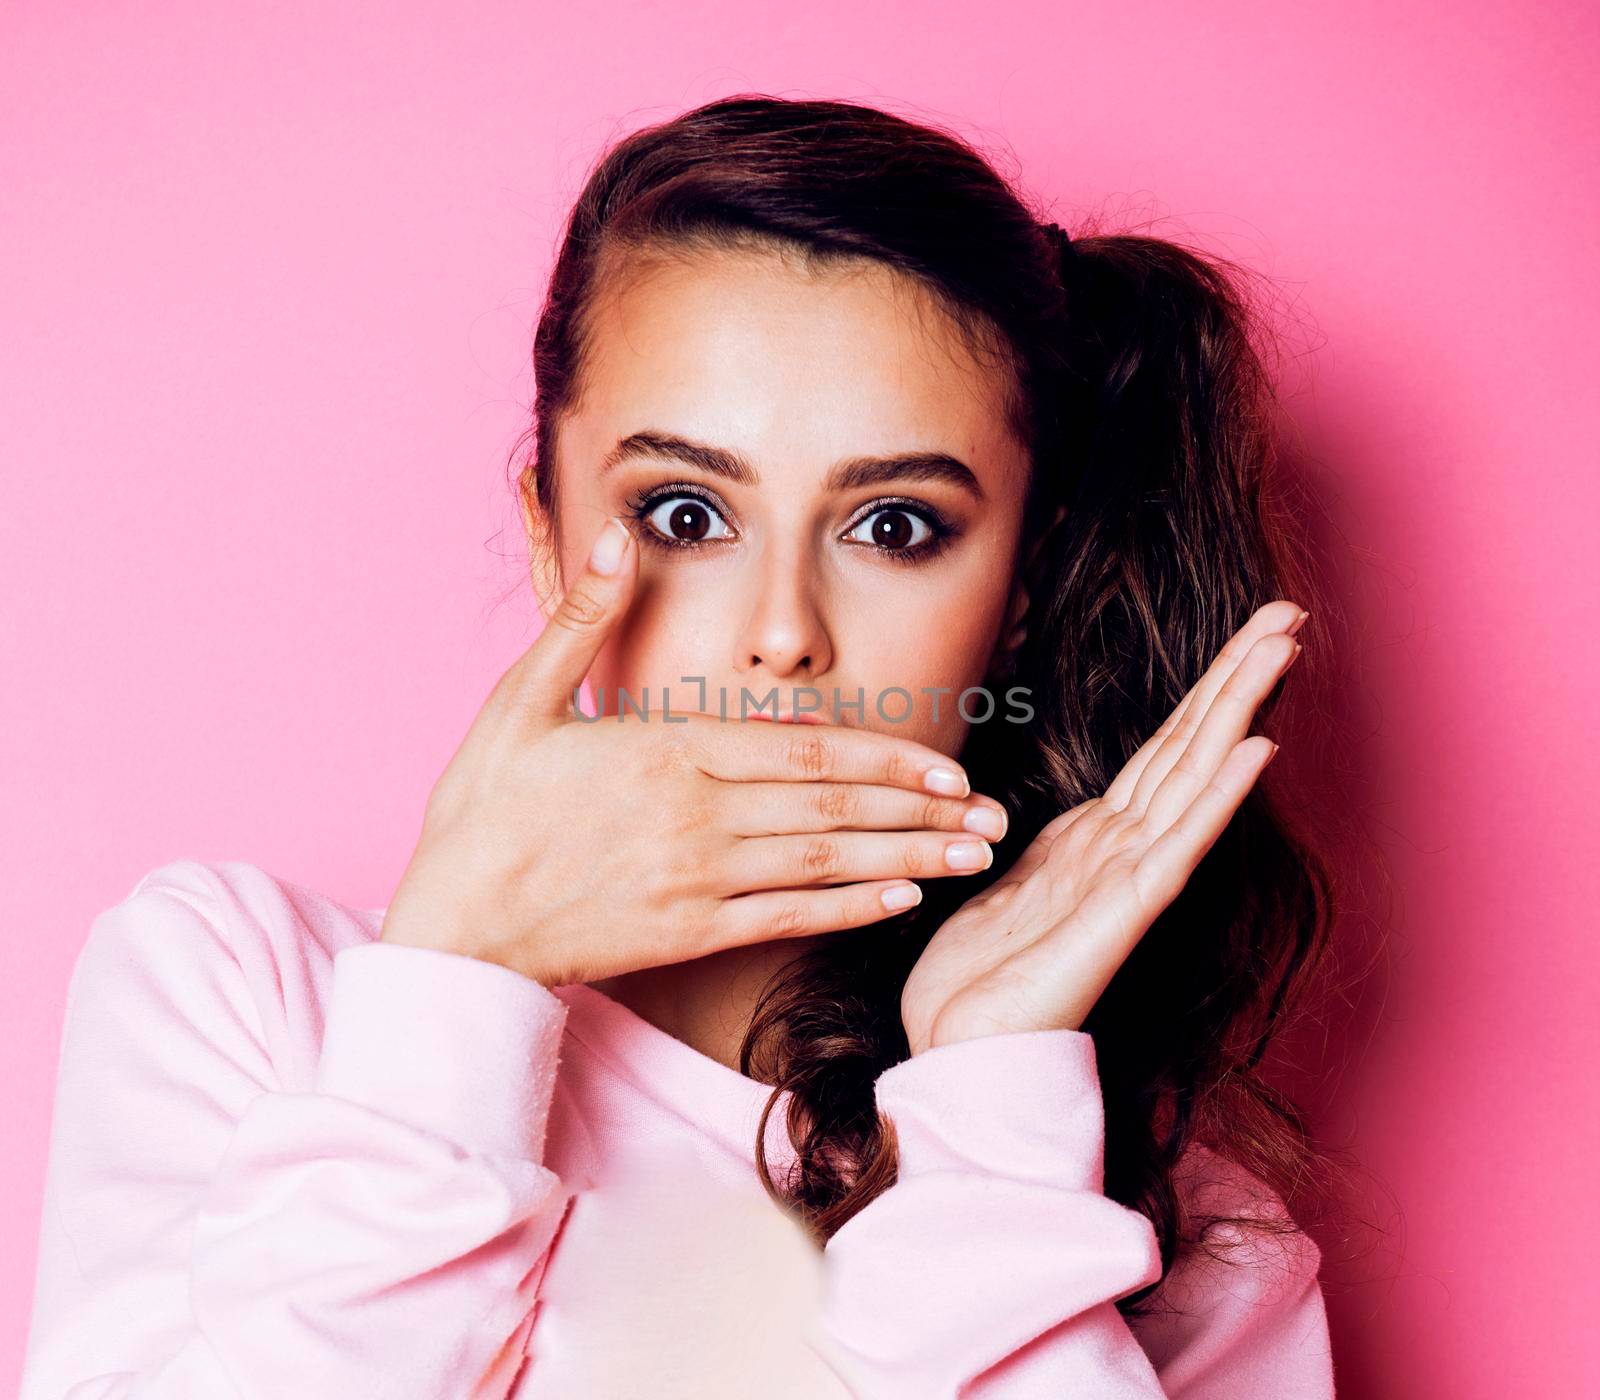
940, 538
643, 503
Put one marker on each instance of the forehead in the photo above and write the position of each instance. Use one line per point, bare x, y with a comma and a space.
797, 366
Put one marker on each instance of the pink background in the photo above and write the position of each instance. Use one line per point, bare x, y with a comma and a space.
268, 281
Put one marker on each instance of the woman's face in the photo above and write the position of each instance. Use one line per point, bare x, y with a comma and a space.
823, 488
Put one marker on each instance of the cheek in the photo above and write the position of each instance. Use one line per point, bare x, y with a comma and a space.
944, 650
940, 635
667, 634
942, 647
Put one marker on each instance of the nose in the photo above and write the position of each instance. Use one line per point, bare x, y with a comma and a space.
784, 637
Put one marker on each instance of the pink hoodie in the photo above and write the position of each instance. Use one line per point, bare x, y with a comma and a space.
290, 1161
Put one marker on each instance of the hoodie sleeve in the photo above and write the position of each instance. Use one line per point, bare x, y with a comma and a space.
991, 1268
209, 1234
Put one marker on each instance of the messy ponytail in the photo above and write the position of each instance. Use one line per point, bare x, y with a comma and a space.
1140, 386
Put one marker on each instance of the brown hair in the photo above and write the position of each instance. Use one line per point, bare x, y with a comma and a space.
1140, 385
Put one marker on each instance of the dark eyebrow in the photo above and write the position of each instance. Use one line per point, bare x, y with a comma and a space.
847, 475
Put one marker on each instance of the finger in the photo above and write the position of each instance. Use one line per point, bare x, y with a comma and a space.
815, 753
542, 682
834, 857
1038, 850
1020, 869
1277, 616
774, 809
1172, 857
773, 914
1183, 773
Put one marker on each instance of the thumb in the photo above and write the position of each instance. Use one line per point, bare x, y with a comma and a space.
548, 674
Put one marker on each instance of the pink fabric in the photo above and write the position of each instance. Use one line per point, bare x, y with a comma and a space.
288, 1160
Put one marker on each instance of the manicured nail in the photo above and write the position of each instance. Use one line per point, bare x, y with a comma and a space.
902, 896
986, 821
1297, 624
606, 555
969, 855
946, 781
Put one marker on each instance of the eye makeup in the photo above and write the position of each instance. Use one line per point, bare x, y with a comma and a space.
645, 507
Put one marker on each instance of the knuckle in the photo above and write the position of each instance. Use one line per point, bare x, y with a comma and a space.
787, 920
698, 813
935, 812
654, 891
696, 928
913, 857
579, 610
672, 920
669, 754
811, 755
820, 857
837, 803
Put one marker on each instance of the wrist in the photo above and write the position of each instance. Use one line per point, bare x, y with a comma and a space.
443, 936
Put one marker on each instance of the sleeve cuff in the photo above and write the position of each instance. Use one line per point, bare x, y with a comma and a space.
1024, 1105
452, 1044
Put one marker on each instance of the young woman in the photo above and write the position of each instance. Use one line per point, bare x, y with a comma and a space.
908, 1053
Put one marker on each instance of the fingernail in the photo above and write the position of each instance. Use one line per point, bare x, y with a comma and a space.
986, 821
1298, 623
606, 555
902, 896
968, 855
946, 781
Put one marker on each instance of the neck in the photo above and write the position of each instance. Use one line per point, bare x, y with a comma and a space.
706, 1002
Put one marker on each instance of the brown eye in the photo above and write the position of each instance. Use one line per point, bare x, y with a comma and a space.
893, 528
684, 520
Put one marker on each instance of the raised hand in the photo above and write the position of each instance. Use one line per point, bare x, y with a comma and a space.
571, 850
1037, 948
